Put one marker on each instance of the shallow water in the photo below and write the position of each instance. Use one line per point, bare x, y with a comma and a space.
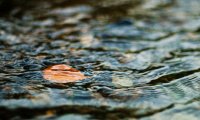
141, 59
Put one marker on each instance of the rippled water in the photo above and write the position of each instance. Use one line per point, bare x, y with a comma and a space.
141, 59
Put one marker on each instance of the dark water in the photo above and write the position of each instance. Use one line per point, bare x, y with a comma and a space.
142, 58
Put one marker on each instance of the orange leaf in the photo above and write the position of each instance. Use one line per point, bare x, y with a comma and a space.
62, 74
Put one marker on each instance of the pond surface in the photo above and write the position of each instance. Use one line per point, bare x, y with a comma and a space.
141, 59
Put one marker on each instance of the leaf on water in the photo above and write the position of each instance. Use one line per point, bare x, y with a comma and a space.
62, 74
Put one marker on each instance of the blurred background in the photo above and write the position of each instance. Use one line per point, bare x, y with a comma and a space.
141, 59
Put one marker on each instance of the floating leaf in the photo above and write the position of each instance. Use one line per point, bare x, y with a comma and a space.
62, 74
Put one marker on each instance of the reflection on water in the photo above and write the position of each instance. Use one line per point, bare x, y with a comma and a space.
141, 56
